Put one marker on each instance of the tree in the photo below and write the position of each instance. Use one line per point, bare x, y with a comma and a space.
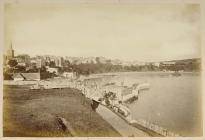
20, 68
45, 75
67, 63
7, 76
34, 69
98, 60
43, 69
52, 64
12, 63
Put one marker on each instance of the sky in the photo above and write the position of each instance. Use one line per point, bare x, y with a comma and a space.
149, 32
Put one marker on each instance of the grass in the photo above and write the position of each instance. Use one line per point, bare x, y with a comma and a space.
30, 113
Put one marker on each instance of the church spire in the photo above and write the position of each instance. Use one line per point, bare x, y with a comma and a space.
10, 52
11, 47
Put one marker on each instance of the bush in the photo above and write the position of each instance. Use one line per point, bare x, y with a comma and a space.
7, 76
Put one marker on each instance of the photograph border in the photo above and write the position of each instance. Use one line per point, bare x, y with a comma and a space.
202, 5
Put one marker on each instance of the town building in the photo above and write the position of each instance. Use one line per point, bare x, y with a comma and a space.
22, 64
40, 63
59, 61
52, 70
168, 63
70, 75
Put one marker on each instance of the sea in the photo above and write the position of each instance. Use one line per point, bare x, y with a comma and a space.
172, 102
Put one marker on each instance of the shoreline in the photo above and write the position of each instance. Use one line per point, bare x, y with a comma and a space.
138, 126
121, 125
159, 132
168, 72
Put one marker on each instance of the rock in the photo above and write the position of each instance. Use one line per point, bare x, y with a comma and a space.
65, 125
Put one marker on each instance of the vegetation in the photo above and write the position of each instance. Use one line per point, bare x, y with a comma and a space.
189, 65
7, 76
12, 63
86, 69
34, 114
45, 74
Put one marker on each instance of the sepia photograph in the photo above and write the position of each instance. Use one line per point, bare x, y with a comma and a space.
102, 69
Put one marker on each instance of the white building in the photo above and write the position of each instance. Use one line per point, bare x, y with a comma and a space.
70, 75
18, 77
22, 64
52, 70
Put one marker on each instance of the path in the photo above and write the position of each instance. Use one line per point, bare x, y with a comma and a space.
119, 124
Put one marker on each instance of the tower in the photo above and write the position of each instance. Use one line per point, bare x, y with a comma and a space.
10, 52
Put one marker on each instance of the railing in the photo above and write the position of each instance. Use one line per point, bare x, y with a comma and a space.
156, 128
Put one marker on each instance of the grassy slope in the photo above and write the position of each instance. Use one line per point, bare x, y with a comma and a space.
33, 113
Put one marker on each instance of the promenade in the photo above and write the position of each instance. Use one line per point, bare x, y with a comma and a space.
119, 124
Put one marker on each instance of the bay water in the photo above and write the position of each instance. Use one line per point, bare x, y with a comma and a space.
173, 102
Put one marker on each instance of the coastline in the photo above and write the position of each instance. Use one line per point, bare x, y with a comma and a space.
139, 127
129, 72
119, 123
151, 129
